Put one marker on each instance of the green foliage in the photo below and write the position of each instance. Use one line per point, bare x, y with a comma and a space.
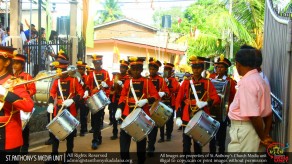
112, 11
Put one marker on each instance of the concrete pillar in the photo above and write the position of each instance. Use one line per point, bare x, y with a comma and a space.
15, 18
73, 30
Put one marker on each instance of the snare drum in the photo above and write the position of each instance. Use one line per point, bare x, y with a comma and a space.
63, 125
25, 116
97, 102
202, 128
138, 124
160, 113
43, 88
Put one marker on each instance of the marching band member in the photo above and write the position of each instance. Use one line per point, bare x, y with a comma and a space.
163, 91
18, 69
221, 67
11, 102
145, 92
67, 91
173, 86
118, 83
199, 93
97, 80
81, 104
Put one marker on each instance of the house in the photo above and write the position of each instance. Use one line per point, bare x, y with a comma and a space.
123, 38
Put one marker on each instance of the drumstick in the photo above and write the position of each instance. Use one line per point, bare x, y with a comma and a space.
63, 105
139, 100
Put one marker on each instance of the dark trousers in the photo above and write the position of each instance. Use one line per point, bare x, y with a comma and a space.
69, 144
113, 110
169, 126
25, 137
96, 120
84, 110
51, 136
125, 143
219, 139
152, 139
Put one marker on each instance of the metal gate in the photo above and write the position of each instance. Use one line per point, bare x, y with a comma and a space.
276, 65
38, 61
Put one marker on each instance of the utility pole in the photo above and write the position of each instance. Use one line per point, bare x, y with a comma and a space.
231, 33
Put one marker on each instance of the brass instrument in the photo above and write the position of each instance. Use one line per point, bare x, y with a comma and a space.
13, 82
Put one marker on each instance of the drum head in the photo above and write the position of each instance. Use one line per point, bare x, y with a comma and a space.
195, 119
131, 117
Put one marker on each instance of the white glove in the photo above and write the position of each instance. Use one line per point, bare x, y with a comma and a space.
118, 114
2, 90
68, 102
161, 94
103, 84
82, 83
50, 108
24, 115
202, 104
142, 102
166, 80
178, 122
85, 94
120, 82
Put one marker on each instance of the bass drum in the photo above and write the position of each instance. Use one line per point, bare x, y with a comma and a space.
43, 88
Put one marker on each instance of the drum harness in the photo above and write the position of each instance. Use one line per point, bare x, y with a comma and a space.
196, 108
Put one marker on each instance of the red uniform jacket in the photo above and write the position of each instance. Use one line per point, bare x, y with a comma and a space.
10, 122
205, 91
142, 86
160, 84
30, 87
101, 75
115, 88
173, 86
70, 86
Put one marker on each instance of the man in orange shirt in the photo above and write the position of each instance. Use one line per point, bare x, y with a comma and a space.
250, 112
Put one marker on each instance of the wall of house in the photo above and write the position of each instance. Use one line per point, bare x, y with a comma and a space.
106, 49
34, 18
123, 29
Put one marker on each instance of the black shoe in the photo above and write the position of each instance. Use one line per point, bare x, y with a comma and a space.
180, 128
82, 134
49, 142
99, 142
160, 140
168, 139
150, 153
114, 137
91, 131
94, 145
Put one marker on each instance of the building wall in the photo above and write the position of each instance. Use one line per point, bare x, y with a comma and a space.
122, 29
106, 49
34, 18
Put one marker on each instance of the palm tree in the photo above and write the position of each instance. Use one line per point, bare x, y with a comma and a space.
112, 11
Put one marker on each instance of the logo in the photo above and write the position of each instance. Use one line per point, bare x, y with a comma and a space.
276, 152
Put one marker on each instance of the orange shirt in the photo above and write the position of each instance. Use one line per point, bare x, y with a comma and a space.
251, 99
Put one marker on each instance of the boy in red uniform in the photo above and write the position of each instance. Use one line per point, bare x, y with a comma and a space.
163, 91
173, 86
12, 100
18, 67
98, 80
67, 91
117, 86
206, 97
145, 93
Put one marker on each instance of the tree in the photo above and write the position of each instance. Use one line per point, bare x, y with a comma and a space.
112, 11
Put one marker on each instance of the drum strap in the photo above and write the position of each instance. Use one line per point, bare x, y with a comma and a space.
194, 90
96, 82
11, 114
133, 91
60, 89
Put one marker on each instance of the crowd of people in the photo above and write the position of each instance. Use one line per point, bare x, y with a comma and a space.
249, 111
